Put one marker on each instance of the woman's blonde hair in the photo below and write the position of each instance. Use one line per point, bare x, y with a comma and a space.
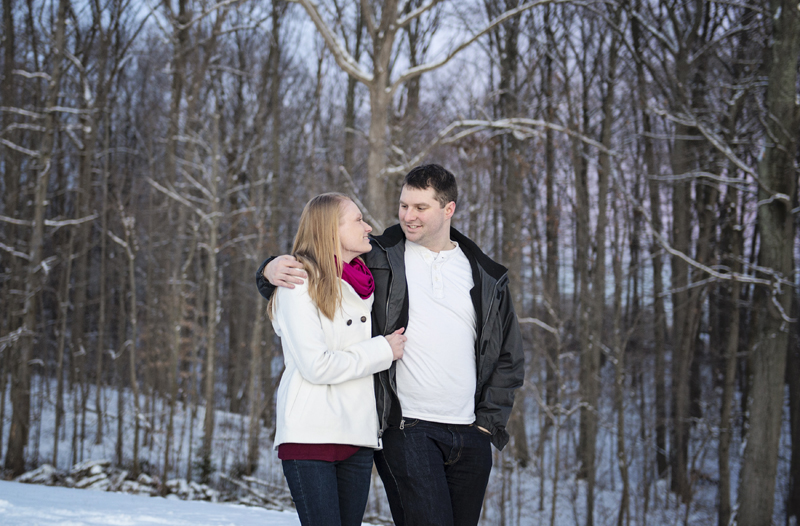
317, 247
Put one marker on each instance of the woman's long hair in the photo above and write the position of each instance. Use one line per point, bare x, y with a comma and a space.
316, 246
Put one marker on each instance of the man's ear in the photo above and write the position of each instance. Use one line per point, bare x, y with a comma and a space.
449, 209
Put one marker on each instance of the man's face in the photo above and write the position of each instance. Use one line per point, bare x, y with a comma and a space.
423, 220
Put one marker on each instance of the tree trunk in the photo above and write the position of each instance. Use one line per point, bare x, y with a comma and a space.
121, 344
793, 379
619, 344
255, 395
732, 348
10, 320
380, 102
659, 318
591, 367
350, 101
134, 324
101, 315
732, 247
778, 184
20, 386
377, 188
62, 336
177, 270
683, 337
508, 161
582, 263
211, 350
553, 213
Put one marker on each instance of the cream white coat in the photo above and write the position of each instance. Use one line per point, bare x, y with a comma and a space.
326, 393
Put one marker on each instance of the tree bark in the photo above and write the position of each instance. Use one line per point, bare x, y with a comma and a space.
732, 247
62, 336
130, 249
119, 447
732, 348
101, 315
590, 366
553, 217
20, 386
793, 379
683, 342
10, 321
177, 270
619, 344
508, 161
211, 337
659, 316
350, 100
778, 184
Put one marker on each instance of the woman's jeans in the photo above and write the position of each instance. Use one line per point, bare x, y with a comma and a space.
435, 474
330, 493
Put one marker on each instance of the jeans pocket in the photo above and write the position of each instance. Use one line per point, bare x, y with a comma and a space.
481, 431
406, 423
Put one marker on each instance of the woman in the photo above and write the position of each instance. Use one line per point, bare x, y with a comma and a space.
327, 426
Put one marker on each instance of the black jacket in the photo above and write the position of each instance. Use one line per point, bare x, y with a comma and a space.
498, 347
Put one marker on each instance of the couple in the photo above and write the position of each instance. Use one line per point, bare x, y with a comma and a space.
444, 373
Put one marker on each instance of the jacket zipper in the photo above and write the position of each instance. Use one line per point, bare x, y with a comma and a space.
484, 341
486, 321
386, 388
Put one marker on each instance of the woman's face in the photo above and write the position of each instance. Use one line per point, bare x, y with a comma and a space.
352, 231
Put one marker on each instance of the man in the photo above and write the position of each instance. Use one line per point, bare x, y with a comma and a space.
452, 393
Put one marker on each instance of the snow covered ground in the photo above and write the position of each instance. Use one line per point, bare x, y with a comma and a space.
35, 505
521, 496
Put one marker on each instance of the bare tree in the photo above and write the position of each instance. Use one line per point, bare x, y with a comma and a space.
659, 317
509, 177
777, 187
20, 419
382, 26
620, 342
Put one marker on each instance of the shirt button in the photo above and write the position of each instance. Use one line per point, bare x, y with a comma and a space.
363, 319
349, 322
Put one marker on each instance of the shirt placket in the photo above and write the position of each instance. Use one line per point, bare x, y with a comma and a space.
436, 276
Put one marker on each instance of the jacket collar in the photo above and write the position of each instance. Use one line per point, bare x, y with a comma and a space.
390, 237
393, 235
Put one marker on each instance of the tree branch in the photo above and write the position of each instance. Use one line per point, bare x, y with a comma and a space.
519, 126
17, 147
375, 222
14, 252
343, 58
424, 68
416, 13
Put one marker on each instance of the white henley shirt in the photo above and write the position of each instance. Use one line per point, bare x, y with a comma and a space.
436, 377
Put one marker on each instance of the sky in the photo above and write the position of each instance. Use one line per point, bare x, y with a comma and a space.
34, 505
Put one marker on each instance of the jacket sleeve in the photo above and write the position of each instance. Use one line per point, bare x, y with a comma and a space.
265, 288
303, 339
497, 395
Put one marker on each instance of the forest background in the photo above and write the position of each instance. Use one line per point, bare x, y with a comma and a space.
633, 163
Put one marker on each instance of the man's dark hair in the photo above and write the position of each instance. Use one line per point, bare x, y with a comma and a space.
434, 176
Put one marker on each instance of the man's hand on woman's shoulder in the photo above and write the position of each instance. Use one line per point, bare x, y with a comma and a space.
285, 271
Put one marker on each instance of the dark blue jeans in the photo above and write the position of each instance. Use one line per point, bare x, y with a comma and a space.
435, 474
330, 493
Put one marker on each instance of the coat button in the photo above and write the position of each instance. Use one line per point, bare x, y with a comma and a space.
349, 322
363, 319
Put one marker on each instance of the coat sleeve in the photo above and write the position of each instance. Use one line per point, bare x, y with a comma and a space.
265, 288
497, 395
297, 321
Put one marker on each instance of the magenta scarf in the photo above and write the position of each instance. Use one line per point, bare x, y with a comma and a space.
359, 277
